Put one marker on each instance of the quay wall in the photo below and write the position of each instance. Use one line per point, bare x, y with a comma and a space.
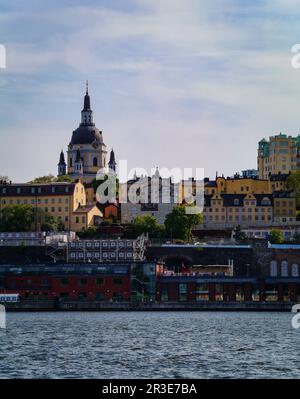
32, 306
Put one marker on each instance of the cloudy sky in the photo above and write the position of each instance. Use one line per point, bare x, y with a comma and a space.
174, 83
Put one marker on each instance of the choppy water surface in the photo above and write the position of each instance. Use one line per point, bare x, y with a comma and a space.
149, 345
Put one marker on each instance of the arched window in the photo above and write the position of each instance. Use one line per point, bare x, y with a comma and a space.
273, 268
71, 162
95, 161
284, 269
236, 202
295, 270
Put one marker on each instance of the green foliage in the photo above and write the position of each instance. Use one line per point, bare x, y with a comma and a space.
179, 224
17, 218
296, 238
50, 223
293, 183
113, 180
4, 178
43, 179
276, 237
50, 179
148, 224
239, 235
90, 232
64, 178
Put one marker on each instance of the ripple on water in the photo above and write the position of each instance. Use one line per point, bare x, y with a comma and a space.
149, 345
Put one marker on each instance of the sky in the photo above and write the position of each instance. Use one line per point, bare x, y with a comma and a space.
173, 83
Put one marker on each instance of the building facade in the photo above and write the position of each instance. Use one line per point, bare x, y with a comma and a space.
281, 154
154, 196
230, 210
64, 201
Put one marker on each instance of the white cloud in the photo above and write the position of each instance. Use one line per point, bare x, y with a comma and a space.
164, 75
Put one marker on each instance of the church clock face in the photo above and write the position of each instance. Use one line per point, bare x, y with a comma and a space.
95, 145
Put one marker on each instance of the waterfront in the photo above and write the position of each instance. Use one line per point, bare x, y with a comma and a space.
149, 345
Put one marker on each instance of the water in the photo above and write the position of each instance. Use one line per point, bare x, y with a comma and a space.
149, 345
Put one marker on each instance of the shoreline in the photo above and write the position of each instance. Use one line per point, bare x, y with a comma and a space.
71, 306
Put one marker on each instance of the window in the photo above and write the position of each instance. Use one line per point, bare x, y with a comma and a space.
64, 281
117, 281
95, 161
284, 269
273, 268
295, 270
82, 281
99, 281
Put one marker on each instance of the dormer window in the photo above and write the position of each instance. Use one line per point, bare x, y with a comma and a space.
236, 202
266, 201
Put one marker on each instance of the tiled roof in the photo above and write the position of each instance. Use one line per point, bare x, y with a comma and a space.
279, 177
229, 199
86, 209
283, 194
30, 190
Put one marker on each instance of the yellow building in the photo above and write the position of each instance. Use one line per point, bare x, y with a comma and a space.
229, 210
64, 201
281, 154
237, 185
284, 207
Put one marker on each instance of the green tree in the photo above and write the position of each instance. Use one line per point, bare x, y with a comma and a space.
148, 224
90, 232
49, 222
17, 218
63, 178
239, 235
276, 237
296, 238
114, 181
293, 183
43, 179
179, 223
4, 178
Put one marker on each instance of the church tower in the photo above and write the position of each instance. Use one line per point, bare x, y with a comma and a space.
86, 152
112, 162
62, 166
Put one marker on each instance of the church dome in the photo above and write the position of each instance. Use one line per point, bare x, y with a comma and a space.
86, 135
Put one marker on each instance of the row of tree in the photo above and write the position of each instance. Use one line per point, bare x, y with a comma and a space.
275, 236
22, 217
178, 224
